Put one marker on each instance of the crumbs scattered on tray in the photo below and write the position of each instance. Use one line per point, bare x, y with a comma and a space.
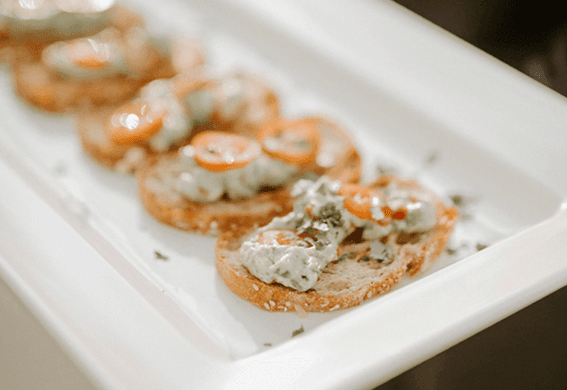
432, 158
298, 331
383, 169
466, 247
61, 168
463, 204
160, 256
267, 344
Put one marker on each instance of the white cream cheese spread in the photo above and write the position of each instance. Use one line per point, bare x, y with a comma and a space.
202, 185
283, 256
180, 114
105, 46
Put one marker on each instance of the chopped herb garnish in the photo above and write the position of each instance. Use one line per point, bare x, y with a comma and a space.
345, 256
450, 251
432, 158
480, 246
159, 256
297, 331
381, 252
461, 200
267, 344
365, 258
330, 215
382, 170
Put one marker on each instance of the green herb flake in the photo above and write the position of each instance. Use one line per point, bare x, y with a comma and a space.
298, 331
159, 256
432, 158
450, 251
345, 256
267, 344
480, 246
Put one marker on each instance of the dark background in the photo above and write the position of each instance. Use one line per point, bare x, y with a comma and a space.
527, 350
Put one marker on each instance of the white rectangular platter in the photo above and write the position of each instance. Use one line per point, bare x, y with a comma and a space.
78, 248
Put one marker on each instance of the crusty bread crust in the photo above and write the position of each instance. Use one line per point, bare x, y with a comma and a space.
345, 283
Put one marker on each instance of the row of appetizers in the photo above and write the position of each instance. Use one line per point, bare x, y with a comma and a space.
213, 155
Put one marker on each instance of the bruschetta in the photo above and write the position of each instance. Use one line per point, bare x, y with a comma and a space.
342, 244
224, 181
188, 103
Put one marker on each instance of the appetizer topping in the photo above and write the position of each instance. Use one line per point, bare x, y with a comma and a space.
220, 163
294, 142
183, 85
285, 237
325, 213
219, 152
158, 116
231, 97
101, 55
364, 202
88, 53
286, 257
419, 215
381, 252
57, 18
135, 122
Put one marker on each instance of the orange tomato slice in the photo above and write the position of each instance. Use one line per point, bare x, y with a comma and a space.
360, 200
294, 142
219, 152
88, 53
134, 122
283, 237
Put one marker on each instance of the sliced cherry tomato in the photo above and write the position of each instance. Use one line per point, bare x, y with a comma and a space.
294, 142
134, 122
360, 200
400, 213
88, 53
288, 237
184, 84
219, 152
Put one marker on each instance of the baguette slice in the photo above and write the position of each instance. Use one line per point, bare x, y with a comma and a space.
173, 209
170, 208
91, 126
344, 283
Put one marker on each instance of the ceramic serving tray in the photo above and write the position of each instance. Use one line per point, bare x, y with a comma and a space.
139, 305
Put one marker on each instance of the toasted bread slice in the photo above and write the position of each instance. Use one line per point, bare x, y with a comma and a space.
349, 281
91, 125
165, 205
171, 208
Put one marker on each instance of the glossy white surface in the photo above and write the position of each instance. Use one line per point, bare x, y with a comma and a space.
407, 90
